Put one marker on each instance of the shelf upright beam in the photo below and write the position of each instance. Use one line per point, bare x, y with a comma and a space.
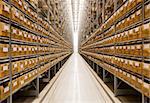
55, 69
9, 99
144, 98
103, 11
97, 69
119, 88
37, 79
115, 5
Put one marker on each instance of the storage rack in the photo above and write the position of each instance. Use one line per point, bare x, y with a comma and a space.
29, 46
121, 45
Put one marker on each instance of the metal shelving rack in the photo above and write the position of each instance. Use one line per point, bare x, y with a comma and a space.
92, 55
60, 55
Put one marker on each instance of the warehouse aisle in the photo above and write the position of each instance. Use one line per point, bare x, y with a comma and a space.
76, 85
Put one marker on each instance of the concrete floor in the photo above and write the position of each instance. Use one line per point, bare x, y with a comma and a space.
76, 85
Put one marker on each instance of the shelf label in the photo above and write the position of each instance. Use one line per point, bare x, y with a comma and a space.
20, 49
21, 18
5, 49
146, 66
146, 46
25, 20
22, 82
136, 29
17, 14
146, 85
5, 68
138, 46
15, 65
137, 64
25, 49
20, 3
6, 89
139, 80
131, 62
26, 77
20, 32
26, 62
138, 12
146, 26
6, 8
30, 75
25, 7
6, 27
128, 75
14, 49
133, 16
15, 83
133, 77
14, 31
148, 7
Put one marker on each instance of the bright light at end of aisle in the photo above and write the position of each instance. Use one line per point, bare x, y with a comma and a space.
75, 41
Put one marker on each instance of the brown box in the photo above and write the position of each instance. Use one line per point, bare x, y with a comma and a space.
14, 50
147, 11
4, 29
21, 80
15, 14
15, 67
133, 80
146, 30
146, 50
4, 50
15, 84
138, 83
4, 90
146, 70
137, 67
14, 33
4, 70
4, 9
138, 16
146, 89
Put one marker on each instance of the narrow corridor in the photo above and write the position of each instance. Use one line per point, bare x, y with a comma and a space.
76, 85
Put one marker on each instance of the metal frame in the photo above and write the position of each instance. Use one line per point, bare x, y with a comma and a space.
35, 81
91, 43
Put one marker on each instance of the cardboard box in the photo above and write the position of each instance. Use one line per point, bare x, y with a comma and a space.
18, 3
138, 16
4, 50
25, 6
15, 14
137, 67
137, 51
21, 80
4, 29
146, 70
146, 30
15, 84
4, 9
14, 50
4, 90
26, 78
139, 83
133, 80
15, 67
146, 89
4, 70
147, 11
146, 50
14, 33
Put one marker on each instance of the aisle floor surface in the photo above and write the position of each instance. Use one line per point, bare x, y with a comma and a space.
76, 85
